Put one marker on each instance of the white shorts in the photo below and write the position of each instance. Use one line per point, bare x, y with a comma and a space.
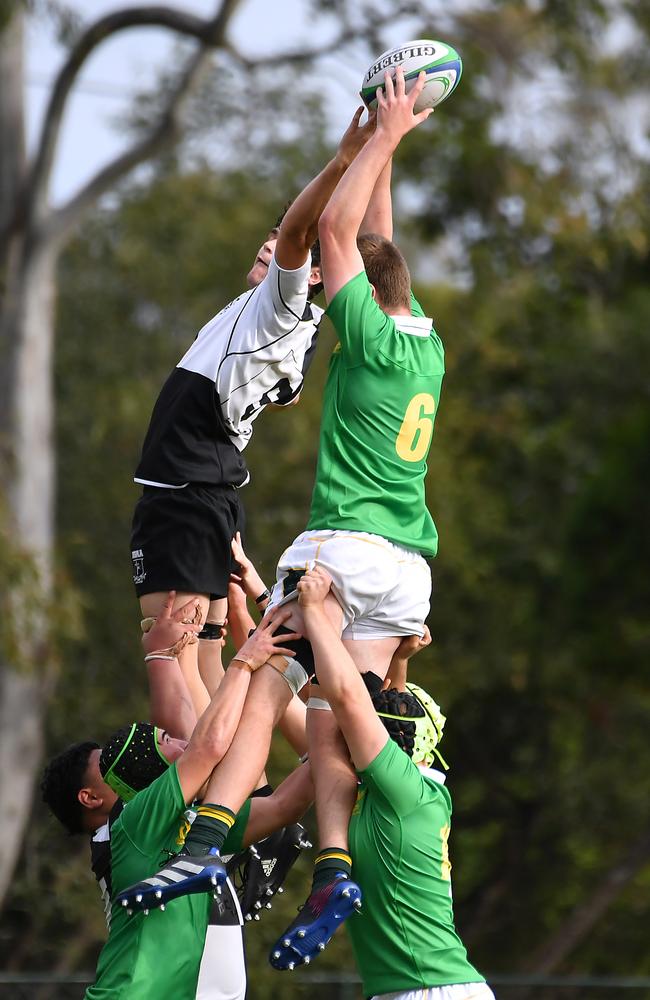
460, 991
384, 590
222, 975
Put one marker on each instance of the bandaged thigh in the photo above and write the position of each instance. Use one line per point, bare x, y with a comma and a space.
292, 672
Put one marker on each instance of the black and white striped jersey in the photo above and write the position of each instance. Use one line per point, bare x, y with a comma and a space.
254, 352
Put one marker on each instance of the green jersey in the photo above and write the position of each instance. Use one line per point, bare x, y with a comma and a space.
379, 406
404, 938
158, 955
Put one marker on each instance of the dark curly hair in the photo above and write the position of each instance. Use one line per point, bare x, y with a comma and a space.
62, 778
396, 709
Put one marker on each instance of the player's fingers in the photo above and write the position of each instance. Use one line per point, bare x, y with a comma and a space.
286, 637
356, 117
423, 115
168, 604
290, 653
275, 617
400, 83
323, 574
187, 610
389, 86
418, 86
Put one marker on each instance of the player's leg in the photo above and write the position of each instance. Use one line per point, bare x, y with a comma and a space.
181, 541
198, 867
210, 645
334, 895
150, 606
335, 780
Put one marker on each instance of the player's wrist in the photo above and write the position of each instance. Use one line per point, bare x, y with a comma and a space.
314, 609
159, 654
253, 584
342, 160
243, 663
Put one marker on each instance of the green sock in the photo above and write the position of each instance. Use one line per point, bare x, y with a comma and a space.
328, 863
210, 828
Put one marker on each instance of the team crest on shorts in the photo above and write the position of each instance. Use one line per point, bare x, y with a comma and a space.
139, 573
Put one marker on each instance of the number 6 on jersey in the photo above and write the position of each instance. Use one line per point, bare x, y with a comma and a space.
415, 434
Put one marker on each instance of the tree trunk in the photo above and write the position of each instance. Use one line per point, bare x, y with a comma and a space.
26, 321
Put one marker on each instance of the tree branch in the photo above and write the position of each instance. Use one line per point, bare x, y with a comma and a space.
347, 33
583, 918
209, 32
60, 221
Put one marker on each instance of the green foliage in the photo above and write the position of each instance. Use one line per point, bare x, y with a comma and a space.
538, 484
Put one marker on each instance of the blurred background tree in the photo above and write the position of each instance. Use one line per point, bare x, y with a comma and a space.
523, 209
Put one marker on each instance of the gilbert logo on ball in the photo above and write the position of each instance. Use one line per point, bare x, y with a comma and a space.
441, 63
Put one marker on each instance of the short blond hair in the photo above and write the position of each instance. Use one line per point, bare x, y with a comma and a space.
387, 270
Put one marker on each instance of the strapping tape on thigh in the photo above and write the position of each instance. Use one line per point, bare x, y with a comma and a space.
293, 673
319, 703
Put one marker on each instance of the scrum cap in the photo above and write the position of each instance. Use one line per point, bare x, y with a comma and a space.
132, 759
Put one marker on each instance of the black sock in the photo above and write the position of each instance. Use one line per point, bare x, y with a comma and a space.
210, 828
328, 862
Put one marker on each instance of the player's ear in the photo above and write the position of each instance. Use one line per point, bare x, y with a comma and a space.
315, 276
374, 291
89, 798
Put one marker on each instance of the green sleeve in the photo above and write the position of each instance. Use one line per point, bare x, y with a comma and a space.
416, 308
234, 842
152, 811
394, 778
359, 322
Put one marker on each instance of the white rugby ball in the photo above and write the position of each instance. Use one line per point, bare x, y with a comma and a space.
441, 63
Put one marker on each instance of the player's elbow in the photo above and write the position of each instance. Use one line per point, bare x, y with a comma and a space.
329, 228
216, 743
343, 694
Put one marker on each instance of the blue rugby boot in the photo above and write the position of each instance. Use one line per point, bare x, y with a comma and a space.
183, 875
310, 932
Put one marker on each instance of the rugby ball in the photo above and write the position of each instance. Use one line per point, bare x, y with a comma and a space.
442, 65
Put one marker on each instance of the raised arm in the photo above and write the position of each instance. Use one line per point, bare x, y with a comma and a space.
342, 219
299, 227
215, 729
379, 213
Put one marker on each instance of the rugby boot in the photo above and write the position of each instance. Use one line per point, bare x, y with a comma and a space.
261, 871
183, 875
310, 932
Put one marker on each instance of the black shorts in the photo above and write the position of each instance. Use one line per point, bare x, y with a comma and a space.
180, 539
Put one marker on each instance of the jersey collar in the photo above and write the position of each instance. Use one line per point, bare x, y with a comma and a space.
432, 774
415, 326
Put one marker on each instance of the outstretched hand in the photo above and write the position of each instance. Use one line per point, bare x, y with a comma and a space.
313, 587
264, 643
248, 577
356, 136
395, 115
171, 631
